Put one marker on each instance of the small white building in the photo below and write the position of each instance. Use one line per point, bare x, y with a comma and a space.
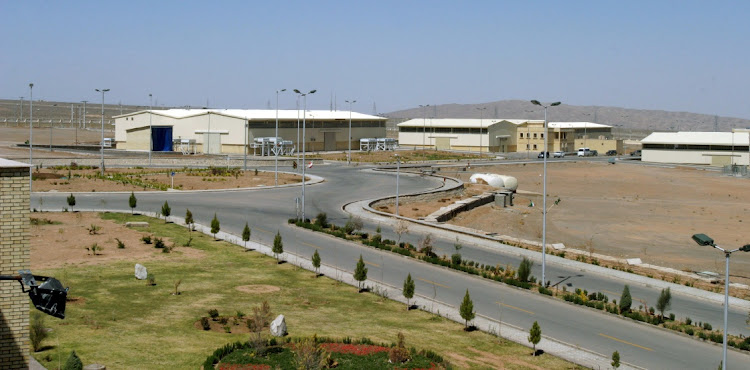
494, 135
709, 148
214, 131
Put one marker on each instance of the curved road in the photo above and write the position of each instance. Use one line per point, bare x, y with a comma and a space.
267, 211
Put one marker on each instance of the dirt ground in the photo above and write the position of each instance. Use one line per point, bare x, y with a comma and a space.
625, 211
65, 241
10, 136
422, 209
49, 179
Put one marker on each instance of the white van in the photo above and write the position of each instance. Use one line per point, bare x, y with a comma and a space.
584, 152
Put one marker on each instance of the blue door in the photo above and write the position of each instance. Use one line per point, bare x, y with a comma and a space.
161, 138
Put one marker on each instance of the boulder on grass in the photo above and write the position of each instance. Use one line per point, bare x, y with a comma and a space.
278, 326
140, 272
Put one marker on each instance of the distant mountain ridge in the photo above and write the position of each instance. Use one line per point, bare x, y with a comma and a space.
630, 119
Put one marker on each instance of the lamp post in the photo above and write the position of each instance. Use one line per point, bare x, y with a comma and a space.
304, 117
31, 135
349, 155
102, 143
481, 116
398, 171
297, 143
424, 125
276, 141
703, 239
150, 133
544, 190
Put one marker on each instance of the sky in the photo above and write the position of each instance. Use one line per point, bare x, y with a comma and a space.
666, 55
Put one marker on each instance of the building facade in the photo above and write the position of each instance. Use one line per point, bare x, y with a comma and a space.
228, 131
708, 148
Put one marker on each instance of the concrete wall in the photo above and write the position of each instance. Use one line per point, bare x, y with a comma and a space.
14, 248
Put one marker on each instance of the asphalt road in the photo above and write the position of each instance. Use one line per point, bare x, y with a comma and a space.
267, 212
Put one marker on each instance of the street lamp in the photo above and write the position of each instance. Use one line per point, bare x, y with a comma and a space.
544, 189
31, 135
703, 239
481, 116
276, 141
102, 143
304, 117
349, 155
150, 133
398, 171
424, 125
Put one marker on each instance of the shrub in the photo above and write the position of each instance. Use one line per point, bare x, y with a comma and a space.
688, 321
671, 316
120, 244
223, 320
150, 279
702, 335
146, 239
689, 331
524, 269
159, 243
93, 229
456, 258
214, 313
37, 332
625, 299
321, 220
707, 326
73, 362
398, 354
546, 291
716, 337
205, 324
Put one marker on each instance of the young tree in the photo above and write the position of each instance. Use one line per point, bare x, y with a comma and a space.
456, 257
665, 301
71, 201
132, 202
166, 211
189, 220
625, 299
401, 228
615, 359
360, 273
467, 309
524, 269
73, 362
535, 335
316, 262
215, 226
278, 246
321, 220
425, 246
246, 234
408, 290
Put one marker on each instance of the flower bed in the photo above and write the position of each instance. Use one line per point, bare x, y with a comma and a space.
354, 349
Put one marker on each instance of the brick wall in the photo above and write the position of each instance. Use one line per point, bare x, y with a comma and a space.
14, 256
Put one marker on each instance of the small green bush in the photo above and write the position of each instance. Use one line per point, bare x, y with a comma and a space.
159, 243
689, 331
205, 324
120, 244
146, 239
73, 362
214, 313
707, 326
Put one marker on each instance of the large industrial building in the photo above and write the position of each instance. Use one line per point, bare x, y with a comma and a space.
505, 135
215, 131
709, 148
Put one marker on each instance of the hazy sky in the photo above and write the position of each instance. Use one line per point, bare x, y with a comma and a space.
672, 55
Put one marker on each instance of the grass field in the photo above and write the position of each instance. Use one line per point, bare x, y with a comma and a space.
123, 323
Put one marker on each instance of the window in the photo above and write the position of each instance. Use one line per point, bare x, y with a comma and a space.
542, 135
522, 135
535, 137
534, 146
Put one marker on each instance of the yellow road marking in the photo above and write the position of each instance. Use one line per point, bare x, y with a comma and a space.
607, 291
622, 341
432, 282
310, 245
515, 308
373, 264
263, 230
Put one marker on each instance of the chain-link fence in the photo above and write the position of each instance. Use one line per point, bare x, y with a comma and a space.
735, 170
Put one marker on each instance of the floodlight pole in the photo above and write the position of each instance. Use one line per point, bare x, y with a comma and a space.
304, 166
276, 141
398, 171
102, 143
544, 190
349, 155
246, 134
31, 136
150, 129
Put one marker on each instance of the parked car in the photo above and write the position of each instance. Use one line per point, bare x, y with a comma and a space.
541, 155
635, 153
585, 152
611, 152
558, 154
594, 153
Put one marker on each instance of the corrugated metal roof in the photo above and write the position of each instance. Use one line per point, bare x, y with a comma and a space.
261, 114
460, 122
697, 138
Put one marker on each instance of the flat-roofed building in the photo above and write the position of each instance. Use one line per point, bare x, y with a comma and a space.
709, 148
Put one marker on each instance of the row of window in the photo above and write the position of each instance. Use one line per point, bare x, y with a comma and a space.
724, 148
444, 130
541, 135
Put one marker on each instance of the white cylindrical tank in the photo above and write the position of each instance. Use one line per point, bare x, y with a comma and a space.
495, 180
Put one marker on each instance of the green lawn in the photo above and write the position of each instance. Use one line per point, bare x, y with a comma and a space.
122, 323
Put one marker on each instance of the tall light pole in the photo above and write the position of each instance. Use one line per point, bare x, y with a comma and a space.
297, 142
398, 171
544, 190
31, 136
703, 239
424, 125
481, 116
102, 143
150, 133
349, 155
276, 141
304, 166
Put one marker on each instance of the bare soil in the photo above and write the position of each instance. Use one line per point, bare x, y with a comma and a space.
57, 245
625, 211
424, 208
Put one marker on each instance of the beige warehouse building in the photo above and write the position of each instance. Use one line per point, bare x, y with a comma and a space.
217, 131
709, 148
505, 135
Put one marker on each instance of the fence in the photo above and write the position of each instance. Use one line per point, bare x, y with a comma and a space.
735, 170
